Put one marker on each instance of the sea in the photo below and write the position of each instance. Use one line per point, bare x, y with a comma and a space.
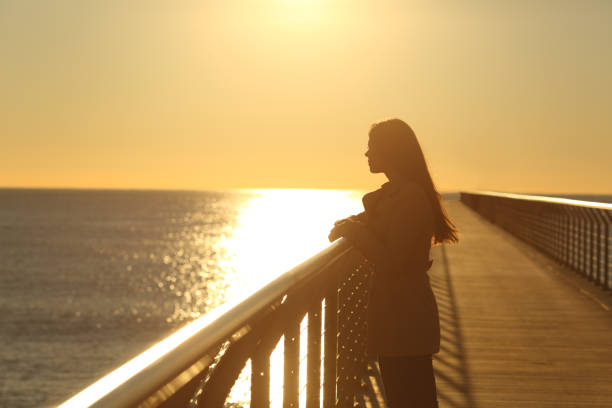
90, 278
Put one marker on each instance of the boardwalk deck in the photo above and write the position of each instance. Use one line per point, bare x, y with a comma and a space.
517, 331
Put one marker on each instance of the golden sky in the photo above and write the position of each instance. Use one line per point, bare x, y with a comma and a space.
503, 95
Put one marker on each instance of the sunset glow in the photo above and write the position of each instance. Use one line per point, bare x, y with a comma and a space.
281, 93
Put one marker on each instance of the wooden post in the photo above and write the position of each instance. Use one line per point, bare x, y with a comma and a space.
260, 379
331, 349
291, 378
313, 381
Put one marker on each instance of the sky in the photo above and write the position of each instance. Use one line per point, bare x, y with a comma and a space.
503, 95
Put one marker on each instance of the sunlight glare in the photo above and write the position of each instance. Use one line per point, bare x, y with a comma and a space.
280, 228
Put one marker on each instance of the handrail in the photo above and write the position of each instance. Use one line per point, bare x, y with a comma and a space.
543, 199
164, 369
575, 233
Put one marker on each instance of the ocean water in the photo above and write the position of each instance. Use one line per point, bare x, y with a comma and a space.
90, 278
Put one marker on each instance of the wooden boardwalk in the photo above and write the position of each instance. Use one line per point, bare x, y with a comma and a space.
517, 330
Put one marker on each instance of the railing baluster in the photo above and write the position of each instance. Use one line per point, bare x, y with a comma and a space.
345, 399
260, 379
567, 232
606, 255
291, 378
585, 233
598, 243
592, 241
313, 382
331, 338
570, 238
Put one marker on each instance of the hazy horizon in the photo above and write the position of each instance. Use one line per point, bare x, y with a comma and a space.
606, 198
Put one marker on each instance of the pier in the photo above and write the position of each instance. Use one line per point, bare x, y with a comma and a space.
525, 317
518, 329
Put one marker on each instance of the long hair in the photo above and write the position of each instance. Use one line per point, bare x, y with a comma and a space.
399, 145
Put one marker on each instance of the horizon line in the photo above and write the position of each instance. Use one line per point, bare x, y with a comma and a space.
237, 189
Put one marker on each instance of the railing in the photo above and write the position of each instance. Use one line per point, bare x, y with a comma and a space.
198, 365
575, 233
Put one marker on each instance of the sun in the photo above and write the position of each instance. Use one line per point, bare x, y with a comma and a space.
301, 12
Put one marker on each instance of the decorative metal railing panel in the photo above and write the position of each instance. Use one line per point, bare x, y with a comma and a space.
198, 365
575, 233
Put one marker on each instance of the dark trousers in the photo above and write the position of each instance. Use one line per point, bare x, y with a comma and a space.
409, 381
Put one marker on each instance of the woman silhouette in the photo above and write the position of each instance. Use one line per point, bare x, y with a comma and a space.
401, 221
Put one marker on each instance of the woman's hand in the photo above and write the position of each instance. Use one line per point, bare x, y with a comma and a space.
336, 231
340, 222
346, 228
351, 218
334, 234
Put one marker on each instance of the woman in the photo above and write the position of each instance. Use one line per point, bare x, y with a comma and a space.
395, 232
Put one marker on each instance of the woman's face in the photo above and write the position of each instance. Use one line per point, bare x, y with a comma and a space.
375, 159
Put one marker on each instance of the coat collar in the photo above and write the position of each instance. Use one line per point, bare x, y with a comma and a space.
391, 187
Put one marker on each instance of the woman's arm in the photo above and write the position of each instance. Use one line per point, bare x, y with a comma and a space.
408, 217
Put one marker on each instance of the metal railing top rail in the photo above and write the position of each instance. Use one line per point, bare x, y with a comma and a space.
544, 199
144, 374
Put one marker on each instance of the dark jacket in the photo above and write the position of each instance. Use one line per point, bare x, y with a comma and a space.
402, 312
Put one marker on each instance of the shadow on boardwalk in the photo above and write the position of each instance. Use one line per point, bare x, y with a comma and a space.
450, 365
372, 389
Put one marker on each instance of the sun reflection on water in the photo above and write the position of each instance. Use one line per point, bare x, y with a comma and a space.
278, 229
